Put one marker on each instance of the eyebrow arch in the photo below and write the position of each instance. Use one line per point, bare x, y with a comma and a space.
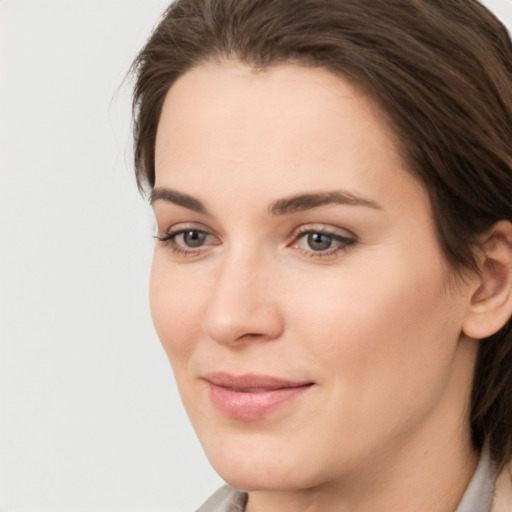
301, 202
173, 196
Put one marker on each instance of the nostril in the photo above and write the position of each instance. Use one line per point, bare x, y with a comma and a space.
250, 335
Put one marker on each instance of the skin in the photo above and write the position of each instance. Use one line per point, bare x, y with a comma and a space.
375, 321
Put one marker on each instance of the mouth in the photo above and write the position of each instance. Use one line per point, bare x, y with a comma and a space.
251, 397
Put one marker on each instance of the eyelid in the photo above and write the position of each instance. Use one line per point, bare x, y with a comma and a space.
178, 226
327, 229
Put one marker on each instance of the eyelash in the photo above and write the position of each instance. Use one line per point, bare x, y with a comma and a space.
168, 240
343, 242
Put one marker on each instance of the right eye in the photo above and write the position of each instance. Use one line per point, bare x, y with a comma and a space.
187, 241
191, 238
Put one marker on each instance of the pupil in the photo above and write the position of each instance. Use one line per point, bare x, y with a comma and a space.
194, 238
319, 241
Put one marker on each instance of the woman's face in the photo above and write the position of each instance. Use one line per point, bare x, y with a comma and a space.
299, 289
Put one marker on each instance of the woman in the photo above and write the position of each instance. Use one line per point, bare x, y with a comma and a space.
332, 276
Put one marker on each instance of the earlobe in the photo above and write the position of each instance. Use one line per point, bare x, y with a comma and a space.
490, 306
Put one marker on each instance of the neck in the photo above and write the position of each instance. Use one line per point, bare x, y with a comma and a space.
432, 480
429, 468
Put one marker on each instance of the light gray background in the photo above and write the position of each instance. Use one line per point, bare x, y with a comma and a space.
89, 415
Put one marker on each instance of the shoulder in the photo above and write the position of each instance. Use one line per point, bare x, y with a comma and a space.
503, 491
225, 499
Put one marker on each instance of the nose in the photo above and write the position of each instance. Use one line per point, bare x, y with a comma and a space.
243, 302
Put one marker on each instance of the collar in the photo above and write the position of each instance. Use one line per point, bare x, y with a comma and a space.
479, 493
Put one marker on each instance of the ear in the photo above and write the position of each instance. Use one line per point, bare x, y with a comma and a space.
490, 307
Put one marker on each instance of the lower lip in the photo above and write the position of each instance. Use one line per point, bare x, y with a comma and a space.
252, 405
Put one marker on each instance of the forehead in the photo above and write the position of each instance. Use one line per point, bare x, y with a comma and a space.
235, 94
287, 126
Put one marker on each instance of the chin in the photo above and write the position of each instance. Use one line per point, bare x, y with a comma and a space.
263, 479
264, 467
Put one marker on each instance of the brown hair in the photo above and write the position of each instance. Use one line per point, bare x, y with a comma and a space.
442, 72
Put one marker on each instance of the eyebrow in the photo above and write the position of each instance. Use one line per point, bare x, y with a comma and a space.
292, 204
301, 202
173, 196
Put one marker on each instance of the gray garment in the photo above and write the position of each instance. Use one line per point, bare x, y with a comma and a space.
480, 492
477, 498
225, 499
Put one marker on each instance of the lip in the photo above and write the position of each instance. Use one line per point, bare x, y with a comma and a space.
251, 397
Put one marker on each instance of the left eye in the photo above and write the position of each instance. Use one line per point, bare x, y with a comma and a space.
318, 241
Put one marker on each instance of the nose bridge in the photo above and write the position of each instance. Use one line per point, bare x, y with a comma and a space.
242, 302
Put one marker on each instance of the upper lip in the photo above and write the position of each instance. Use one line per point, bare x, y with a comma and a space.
251, 381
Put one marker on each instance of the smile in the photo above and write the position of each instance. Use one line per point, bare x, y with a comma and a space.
251, 397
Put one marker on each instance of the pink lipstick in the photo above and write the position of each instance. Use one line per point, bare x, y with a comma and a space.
251, 397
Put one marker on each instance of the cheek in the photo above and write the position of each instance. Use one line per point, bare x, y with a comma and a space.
382, 345
382, 322
176, 310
